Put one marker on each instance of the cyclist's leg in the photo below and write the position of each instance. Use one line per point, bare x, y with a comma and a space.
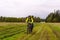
31, 27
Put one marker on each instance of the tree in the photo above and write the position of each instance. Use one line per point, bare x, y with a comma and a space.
14, 19
50, 17
53, 17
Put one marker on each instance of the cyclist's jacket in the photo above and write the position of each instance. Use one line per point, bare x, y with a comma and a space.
29, 20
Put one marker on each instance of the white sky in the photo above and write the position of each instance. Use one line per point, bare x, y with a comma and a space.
23, 8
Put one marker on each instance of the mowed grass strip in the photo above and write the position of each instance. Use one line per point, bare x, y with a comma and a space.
27, 36
56, 29
38, 32
47, 33
41, 31
9, 32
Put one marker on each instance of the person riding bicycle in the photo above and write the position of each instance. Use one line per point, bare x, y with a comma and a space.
29, 22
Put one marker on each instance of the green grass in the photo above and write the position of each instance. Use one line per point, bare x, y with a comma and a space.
41, 31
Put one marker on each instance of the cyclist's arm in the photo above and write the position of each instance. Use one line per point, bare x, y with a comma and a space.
26, 20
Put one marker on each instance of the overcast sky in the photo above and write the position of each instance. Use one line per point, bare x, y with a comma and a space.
23, 8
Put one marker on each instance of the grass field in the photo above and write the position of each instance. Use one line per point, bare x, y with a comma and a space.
41, 31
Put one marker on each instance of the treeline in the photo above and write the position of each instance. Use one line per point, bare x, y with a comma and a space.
53, 16
14, 19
